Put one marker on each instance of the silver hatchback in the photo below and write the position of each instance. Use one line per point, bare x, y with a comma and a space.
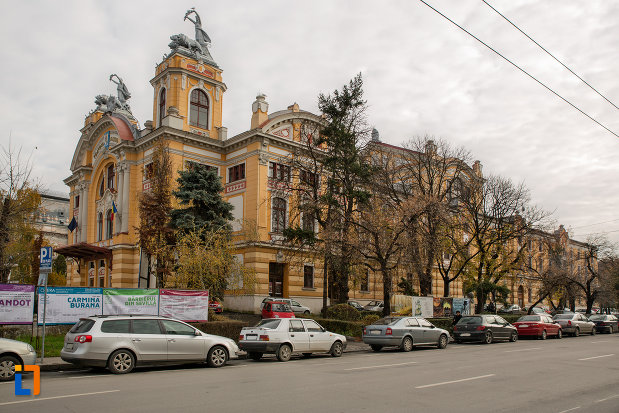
122, 342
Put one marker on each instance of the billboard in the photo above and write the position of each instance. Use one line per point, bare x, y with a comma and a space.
443, 307
130, 301
462, 305
186, 305
16, 303
65, 305
422, 307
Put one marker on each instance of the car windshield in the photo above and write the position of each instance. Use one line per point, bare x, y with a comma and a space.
529, 318
372, 304
470, 320
387, 321
83, 326
564, 316
269, 323
281, 308
597, 317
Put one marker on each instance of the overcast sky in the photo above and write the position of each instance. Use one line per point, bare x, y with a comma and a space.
422, 75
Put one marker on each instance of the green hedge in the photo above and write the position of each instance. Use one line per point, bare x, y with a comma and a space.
230, 329
346, 328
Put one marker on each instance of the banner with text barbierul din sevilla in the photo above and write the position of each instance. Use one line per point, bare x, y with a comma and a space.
130, 301
16, 303
65, 305
185, 305
423, 307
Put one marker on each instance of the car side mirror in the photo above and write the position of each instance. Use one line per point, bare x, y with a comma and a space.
197, 333
432, 326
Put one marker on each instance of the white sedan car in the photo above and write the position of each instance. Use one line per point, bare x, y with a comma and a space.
284, 336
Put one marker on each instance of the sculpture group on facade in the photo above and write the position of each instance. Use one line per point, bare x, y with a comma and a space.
110, 103
198, 47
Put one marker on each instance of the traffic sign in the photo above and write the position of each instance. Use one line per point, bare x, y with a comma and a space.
46, 258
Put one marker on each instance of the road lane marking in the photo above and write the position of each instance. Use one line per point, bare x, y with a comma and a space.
608, 398
569, 410
524, 349
86, 377
381, 365
596, 357
454, 381
38, 399
603, 341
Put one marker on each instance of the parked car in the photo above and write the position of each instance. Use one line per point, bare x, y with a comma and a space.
575, 323
216, 306
538, 311
405, 333
512, 309
484, 328
14, 353
356, 305
294, 305
605, 323
374, 306
283, 337
122, 342
538, 325
277, 309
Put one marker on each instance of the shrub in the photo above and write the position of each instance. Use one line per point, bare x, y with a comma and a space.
406, 311
370, 319
346, 328
343, 312
444, 323
230, 329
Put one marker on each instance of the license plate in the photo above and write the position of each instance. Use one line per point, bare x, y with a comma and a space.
251, 337
69, 346
523, 325
465, 334
375, 332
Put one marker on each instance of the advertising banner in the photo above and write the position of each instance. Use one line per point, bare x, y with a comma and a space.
16, 304
185, 305
130, 301
462, 305
65, 305
443, 307
422, 307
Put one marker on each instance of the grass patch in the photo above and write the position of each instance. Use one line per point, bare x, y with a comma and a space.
53, 343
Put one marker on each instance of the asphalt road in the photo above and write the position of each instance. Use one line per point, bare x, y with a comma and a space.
570, 375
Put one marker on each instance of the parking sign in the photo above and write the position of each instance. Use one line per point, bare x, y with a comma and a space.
46, 258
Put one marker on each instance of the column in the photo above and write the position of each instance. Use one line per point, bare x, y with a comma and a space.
125, 221
81, 216
120, 171
85, 217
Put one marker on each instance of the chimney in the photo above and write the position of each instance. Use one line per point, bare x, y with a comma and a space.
260, 109
477, 167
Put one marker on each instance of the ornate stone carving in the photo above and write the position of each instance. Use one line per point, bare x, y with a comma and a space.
197, 47
110, 103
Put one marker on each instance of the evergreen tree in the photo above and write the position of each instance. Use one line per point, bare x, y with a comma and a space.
199, 195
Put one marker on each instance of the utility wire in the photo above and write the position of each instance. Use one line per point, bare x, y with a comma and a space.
519, 68
596, 233
597, 223
550, 54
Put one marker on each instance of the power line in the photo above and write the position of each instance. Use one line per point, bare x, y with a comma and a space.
550, 54
597, 223
596, 233
519, 68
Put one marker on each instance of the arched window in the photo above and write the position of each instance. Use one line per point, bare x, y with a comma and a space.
198, 112
110, 177
161, 106
100, 227
109, 224
279, 215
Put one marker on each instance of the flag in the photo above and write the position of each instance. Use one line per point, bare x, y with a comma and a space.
72, 225
114, 210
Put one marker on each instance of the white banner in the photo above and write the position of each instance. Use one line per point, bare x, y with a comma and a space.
16, 304
130, 301
423, 307
65, 305
185, 305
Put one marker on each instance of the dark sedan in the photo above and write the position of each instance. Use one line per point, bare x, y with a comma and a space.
605, 323
484, 328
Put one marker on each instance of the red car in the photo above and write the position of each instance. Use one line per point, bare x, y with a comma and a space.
538, 325
216, 306
277, 309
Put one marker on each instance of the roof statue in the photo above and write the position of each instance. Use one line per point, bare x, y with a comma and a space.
197, 47
375, 135
111, 103
121, 89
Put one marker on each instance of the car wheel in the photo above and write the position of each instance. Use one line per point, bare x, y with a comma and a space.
487, 338
407, 344
559, 333
576, 332
544, 335
217, 356
376, 347
121, 362
514, 337
593, 331
254, 355
284, 352
306, 312
7, 368
337, 349
442, 341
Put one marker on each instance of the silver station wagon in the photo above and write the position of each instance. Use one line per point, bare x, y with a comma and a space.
405, 333
122, 342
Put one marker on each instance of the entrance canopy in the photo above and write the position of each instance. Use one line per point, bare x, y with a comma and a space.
85, 251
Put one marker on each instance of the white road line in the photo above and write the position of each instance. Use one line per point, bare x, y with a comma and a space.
454, 381
382, 365
38, 399
524, 349
603, 341
596, 357
569, 410
608, 398
86, 377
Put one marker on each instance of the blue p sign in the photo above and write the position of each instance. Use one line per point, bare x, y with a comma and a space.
46, 258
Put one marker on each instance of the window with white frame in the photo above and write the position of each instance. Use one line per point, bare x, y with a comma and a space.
278, 216
198, 109
308, 276
279, 172
236, 172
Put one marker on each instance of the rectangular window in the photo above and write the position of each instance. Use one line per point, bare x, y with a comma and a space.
148, 171
236, 173
91, 274
191, 164
76, 202
365, 282
307, 221
101, 273
279, 172
308, 276
307, 178
278, 217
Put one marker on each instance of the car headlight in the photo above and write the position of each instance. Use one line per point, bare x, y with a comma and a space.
30, 348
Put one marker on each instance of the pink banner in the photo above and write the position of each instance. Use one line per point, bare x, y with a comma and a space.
185, 305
